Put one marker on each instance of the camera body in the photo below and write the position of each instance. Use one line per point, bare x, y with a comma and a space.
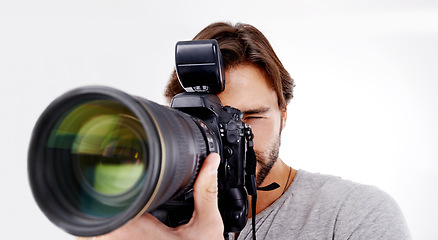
200, 72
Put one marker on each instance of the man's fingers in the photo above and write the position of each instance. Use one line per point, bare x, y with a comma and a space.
143, 227
205, 193
205, 188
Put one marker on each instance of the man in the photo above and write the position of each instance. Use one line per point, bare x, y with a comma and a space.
306, 205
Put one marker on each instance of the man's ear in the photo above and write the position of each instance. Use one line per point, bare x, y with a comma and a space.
283, 118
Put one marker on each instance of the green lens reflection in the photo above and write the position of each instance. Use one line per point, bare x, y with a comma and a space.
107, 146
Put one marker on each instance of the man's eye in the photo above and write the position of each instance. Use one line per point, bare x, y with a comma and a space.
252, 117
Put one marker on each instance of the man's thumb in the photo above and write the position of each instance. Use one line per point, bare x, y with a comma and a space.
205, 188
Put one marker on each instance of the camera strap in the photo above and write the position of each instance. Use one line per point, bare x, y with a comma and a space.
250, 178
250, 183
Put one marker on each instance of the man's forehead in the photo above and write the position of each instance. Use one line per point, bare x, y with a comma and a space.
247, 89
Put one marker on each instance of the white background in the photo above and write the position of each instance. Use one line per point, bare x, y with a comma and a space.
365, 105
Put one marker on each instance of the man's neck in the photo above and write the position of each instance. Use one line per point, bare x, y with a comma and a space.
281, 174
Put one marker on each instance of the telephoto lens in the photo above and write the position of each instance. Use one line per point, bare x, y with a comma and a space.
99, 157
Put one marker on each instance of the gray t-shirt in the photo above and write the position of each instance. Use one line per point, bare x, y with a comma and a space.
317, 206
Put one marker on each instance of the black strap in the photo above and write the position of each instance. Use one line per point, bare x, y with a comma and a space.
250, 168
254, 202
250, 181
270, 187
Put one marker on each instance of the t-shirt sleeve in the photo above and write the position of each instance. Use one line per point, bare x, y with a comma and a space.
369, 213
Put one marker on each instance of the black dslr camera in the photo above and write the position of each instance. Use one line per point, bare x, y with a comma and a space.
99, 157
200, 72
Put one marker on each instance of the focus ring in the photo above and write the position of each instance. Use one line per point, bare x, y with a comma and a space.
184, 148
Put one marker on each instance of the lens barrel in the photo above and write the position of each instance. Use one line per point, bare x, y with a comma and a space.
99, 157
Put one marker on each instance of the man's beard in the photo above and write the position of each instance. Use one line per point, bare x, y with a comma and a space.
266, 160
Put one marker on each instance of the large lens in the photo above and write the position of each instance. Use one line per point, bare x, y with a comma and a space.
99, 157
100, 149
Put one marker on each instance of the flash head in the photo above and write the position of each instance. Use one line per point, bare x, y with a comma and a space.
199, 66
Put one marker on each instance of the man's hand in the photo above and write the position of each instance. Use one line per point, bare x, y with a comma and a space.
206, 222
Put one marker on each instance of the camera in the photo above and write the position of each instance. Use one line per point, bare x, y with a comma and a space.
99, 157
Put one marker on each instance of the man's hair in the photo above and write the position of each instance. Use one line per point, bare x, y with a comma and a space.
244, 44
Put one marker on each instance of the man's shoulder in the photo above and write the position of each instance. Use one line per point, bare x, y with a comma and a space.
323, 185
337, 188
356, 209
338, 193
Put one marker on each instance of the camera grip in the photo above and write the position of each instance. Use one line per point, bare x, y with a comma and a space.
233, 206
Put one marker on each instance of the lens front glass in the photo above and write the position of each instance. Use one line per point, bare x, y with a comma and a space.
99, 150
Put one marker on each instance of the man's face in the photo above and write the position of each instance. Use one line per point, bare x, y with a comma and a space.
248, 90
